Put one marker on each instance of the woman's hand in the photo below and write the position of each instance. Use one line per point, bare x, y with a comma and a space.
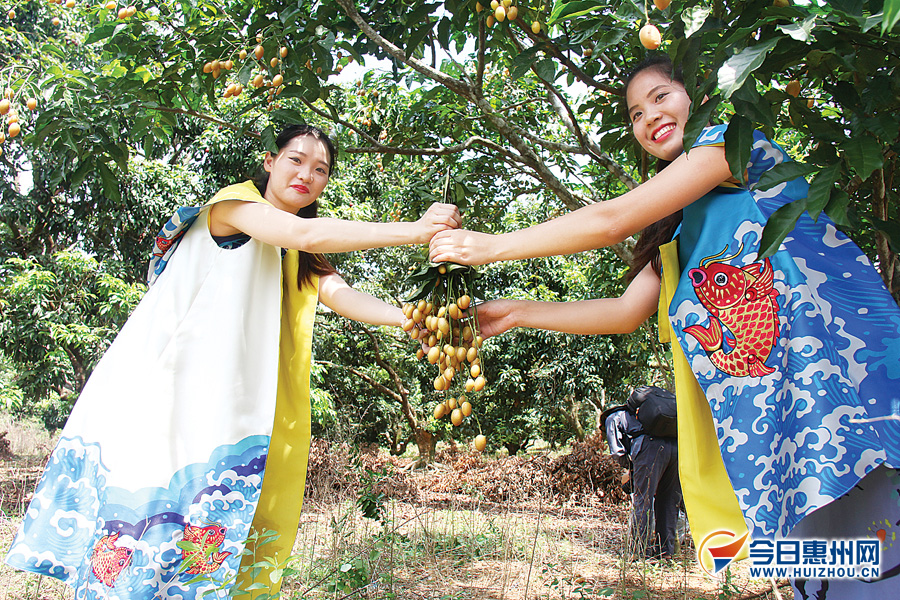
462, 247
495, 317
439, 217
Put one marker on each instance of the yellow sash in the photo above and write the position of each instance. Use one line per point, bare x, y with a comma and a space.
284, 480
709, 498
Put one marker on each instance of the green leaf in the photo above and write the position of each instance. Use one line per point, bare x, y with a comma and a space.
748, 102
780, 224
694, 18
699, 120
738, 144
836, 209
417, 36
268, 139
522, 62
568, 10
783, 172
820, 189
801, 32
110, 183
736, 69
891, 15
546, 69
863, 155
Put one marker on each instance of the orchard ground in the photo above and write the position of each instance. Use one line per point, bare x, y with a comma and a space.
542, 525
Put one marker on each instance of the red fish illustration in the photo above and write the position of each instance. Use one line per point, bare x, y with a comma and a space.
108, 560
744, 300
200, 559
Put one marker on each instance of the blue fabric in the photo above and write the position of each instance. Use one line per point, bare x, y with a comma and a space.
799, 355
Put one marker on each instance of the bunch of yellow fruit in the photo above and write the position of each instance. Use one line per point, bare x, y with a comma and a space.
437, 316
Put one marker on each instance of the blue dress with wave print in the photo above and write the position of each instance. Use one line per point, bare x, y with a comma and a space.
805, 404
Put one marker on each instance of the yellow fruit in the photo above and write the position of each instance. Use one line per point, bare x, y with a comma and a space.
475, 371
456, 417
439, 383
259, 52
478, 7
536, 27
31, 104
259, 38
14, 129
434, 354
8, 94
810, 103
258, 80
449, 372
491, 20
480, 443
500, 14
132, 10
451, 402
228, 64
460, 354
464, 301
588, 52
470, 385
650, 37
2, 137
123, 13
661, 4
4, 106
242, 54
465, 408
283, 51
12, 118
781, 3
11, 14
512, 13
472, 354
110, 5
277, 80
439, 411
506, 3
55, 21
793, 88
495, 4
480, 382
420, 354
274, 62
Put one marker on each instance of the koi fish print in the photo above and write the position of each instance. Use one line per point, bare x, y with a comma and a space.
201, 559
743, 307
108, 560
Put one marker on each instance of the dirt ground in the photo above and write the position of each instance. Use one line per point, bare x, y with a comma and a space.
466, 527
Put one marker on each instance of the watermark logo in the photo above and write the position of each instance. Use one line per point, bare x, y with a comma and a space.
719, 549
793, 558
816, 559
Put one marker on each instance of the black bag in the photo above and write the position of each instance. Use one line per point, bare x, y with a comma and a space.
655, 409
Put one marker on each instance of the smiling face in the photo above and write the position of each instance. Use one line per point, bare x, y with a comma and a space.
298, 173
658, 108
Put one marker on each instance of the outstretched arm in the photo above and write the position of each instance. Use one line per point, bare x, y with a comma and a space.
599, 316
282, 229
688, 178
336, 294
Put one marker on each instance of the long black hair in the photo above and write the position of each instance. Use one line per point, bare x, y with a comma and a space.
310, 263
653, 236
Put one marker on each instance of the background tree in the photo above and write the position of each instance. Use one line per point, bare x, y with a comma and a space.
520, 112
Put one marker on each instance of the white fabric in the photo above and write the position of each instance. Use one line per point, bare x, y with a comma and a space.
208, 302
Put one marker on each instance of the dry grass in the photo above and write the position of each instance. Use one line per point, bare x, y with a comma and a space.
465, 528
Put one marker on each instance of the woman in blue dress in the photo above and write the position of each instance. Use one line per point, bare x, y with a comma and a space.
798, 355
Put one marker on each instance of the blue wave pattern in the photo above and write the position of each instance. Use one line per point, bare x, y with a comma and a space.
801, 437
74, 507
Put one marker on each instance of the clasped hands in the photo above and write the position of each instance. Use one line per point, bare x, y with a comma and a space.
449, 243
